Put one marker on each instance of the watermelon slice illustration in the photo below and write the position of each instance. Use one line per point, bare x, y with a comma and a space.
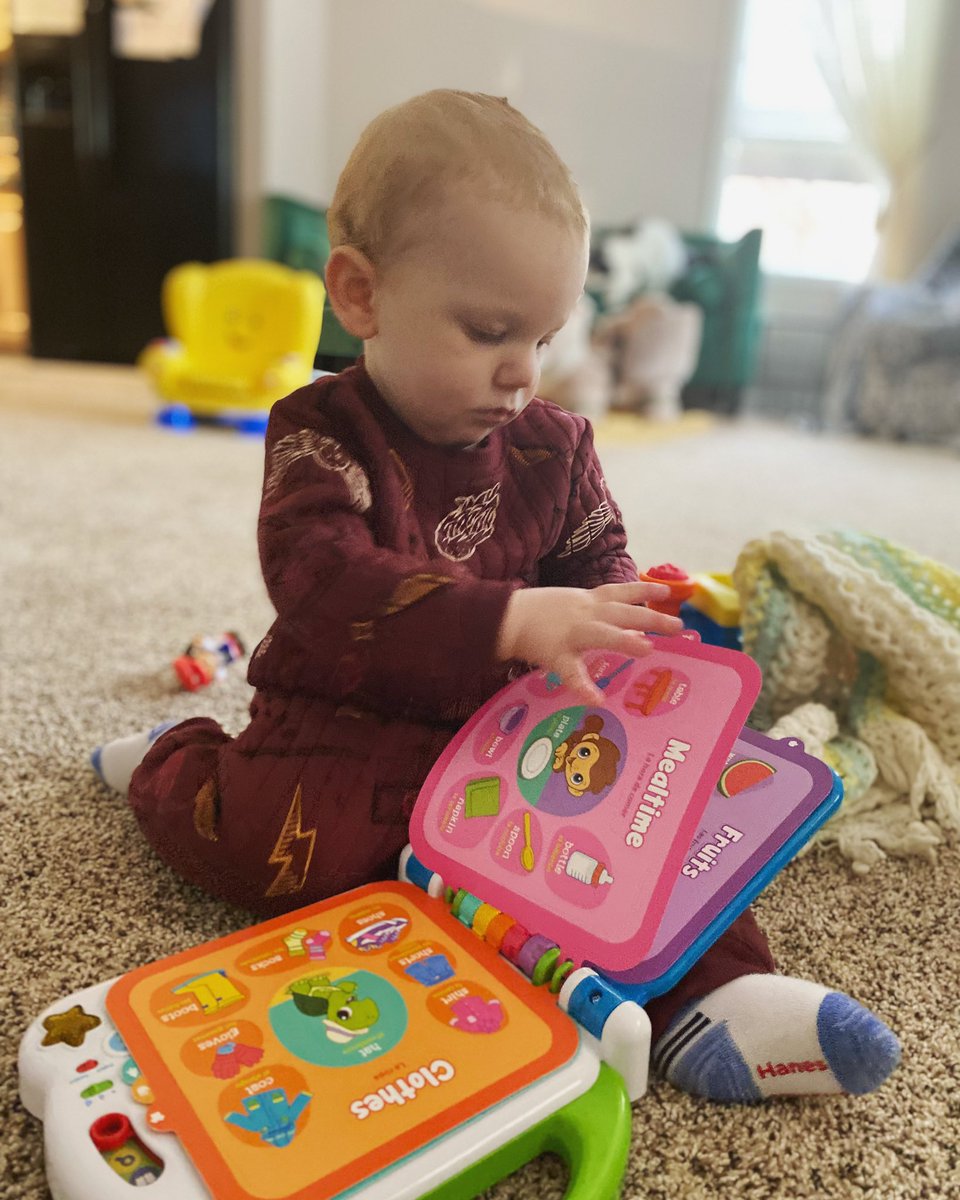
742, 774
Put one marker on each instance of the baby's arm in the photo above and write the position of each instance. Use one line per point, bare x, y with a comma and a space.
591, 548
360, 619
590, 599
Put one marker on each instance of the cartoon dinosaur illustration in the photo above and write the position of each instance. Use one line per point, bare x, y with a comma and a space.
345, 1014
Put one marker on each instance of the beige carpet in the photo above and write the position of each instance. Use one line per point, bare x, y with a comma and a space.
119, 541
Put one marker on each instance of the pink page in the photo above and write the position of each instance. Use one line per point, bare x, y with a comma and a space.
575, 819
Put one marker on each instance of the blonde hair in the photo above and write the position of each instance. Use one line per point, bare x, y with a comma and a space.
408, 155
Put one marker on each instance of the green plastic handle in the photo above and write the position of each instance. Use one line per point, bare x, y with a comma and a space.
591, 1134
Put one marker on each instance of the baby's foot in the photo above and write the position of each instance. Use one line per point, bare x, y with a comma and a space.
772, 1035
116, 761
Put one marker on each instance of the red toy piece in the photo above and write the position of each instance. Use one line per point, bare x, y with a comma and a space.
207, 659
680, 584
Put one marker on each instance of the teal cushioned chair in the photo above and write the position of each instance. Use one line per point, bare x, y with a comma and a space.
724, 279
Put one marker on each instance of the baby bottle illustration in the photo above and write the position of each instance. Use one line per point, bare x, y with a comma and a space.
586, 869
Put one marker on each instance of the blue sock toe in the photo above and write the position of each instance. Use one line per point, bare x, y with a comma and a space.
95, 761
711, 1067
160, 729
860, 1050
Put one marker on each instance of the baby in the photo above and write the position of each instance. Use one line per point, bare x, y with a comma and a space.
429, 529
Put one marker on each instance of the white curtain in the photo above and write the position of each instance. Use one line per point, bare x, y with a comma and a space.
879, 59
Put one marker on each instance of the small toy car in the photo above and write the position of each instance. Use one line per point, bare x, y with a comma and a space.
206, 659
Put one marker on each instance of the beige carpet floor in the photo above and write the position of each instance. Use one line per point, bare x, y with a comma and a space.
119, 541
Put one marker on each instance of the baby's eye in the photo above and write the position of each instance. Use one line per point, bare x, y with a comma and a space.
486, 337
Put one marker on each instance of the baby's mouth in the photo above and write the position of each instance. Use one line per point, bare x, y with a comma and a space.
498, 415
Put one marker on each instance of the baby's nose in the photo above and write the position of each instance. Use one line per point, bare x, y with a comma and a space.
520, 370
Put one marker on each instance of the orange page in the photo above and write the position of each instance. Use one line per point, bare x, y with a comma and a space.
301, 1056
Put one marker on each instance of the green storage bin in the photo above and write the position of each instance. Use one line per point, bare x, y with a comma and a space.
296, 234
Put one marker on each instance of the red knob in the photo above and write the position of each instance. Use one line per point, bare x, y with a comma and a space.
677, 580
110, 1132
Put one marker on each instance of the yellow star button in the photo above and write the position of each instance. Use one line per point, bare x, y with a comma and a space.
69, 1027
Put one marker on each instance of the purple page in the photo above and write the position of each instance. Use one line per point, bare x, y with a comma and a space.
766, 791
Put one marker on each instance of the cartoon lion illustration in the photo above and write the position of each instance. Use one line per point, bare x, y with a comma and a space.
589, 762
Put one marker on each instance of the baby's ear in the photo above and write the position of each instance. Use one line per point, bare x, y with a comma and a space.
350, 277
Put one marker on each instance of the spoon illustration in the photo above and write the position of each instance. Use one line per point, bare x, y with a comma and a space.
526, 854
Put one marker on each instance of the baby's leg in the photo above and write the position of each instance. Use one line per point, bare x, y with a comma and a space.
734, 1031
304, 804
175, 795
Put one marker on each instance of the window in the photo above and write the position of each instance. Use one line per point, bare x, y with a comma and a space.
791, 166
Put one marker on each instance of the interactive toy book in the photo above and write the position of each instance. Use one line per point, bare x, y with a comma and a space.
632, 831
373, 1045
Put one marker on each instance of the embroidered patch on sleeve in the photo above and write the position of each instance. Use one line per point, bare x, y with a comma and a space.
411, 589
326, 452
588, 530
406, 483
408, 591
206, 811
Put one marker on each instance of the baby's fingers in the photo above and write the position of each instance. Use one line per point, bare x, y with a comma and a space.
631, 593
597, 635
635, 616
576, 678
656, 622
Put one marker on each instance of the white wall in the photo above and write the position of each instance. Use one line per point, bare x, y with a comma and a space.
294, 132
248, 29
631, 92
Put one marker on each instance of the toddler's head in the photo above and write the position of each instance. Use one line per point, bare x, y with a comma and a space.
458, 248
411, 156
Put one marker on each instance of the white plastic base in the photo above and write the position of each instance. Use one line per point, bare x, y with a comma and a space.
69, 1087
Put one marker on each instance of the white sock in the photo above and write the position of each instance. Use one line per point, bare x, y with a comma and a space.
772, 1035
116, 761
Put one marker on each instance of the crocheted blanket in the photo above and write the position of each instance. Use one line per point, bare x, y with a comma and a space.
859, 643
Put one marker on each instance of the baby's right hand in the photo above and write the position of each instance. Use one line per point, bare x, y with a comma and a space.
552, 627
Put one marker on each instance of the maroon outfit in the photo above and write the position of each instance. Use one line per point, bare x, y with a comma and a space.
390, 562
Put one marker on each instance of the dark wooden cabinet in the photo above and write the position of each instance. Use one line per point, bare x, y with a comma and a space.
126, 170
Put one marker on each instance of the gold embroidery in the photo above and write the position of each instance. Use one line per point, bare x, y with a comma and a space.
531, 456
406, 483
206, 811
408, 591
293, 852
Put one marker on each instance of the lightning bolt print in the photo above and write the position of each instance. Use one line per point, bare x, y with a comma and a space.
293, 852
